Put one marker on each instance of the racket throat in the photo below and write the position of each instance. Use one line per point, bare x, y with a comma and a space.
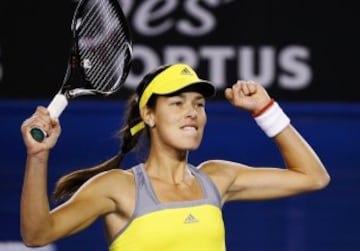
73, 93
75, 82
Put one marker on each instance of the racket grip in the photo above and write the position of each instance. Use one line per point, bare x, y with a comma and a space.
38, 134
55, 108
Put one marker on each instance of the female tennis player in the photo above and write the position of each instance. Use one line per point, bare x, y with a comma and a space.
164, 202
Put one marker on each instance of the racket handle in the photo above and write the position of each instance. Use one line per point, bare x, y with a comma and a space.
57, 105
38, 134
55, 108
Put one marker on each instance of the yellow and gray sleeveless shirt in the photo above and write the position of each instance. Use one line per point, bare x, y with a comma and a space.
175, 226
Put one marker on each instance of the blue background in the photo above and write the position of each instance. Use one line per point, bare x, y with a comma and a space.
327, 220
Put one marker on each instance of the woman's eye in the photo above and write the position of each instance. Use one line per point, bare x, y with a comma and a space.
176, 103
200, 104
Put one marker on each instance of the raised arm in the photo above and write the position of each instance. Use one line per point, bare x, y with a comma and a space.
39, 224
303, 170
34, 210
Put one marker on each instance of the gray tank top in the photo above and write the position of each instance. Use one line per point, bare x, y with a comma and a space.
146, 200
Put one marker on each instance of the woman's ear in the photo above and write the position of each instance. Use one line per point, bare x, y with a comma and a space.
147, 114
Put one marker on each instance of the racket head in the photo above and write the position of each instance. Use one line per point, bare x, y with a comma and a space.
102, 49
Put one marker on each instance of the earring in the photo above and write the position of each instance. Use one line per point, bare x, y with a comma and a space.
150, 124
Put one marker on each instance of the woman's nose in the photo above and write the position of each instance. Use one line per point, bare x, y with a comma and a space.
191, 111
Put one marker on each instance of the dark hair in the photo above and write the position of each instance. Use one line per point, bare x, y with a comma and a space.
68, 184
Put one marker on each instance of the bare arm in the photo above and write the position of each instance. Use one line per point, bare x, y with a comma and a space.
34, 208
303, 170
40, 225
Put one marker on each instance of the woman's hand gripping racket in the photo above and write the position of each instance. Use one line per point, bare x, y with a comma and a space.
100, 56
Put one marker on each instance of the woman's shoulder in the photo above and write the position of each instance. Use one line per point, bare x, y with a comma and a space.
116, 184
220, 167
116, 175
112, 178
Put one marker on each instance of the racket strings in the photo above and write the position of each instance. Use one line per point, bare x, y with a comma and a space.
104, 53
103, 45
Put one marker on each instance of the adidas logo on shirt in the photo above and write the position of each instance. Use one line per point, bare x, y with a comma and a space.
190, 219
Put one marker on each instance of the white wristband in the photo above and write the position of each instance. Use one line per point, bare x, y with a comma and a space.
273, 120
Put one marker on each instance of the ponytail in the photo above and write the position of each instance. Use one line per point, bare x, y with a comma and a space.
67, 185
70, 183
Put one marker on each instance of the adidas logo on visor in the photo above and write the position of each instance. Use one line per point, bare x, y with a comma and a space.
186, 71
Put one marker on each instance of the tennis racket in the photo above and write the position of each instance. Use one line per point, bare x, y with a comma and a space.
100, 57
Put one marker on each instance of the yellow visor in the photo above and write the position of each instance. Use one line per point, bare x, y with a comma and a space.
173, 79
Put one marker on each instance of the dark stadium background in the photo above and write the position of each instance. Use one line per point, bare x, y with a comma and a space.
34, 43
